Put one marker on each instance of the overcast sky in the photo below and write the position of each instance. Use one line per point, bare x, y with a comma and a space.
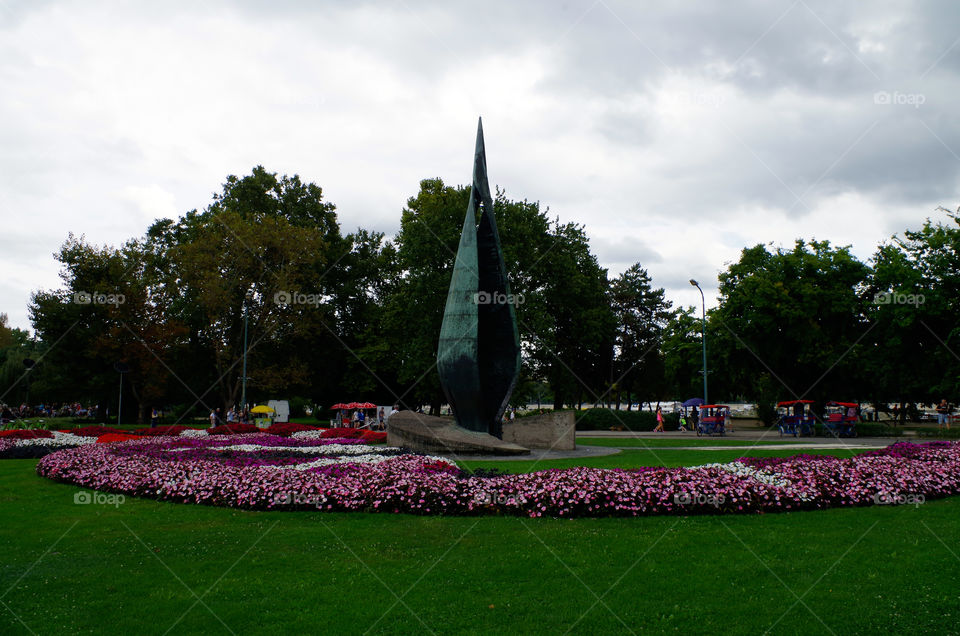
676, 134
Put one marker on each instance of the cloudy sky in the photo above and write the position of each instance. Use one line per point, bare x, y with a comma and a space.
676, 134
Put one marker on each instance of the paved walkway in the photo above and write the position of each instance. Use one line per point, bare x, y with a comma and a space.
752, 435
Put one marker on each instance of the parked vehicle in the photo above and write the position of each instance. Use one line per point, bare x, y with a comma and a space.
840, 419
713, 419
795, 418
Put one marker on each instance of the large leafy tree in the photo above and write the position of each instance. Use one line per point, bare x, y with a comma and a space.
790, 324
914, 288
641, 314
682, 348
106, 315
256, 260
563, 314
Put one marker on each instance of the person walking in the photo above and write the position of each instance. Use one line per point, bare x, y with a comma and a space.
659, 428
380, 420
943, 414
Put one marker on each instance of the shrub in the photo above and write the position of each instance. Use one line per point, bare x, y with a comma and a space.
298, 406
607, 419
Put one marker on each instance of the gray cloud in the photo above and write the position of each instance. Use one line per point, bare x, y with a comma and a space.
677, 134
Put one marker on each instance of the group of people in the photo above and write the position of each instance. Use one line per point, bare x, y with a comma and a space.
687, 422
66, 409
233, 416
358, 419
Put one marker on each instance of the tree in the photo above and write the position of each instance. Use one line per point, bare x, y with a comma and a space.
913, 289
641, 314
274, 239
790, 323
682, 347
106, 314
563, 314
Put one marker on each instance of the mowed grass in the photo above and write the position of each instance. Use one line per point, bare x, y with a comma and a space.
675, 442
633, 458
147, 567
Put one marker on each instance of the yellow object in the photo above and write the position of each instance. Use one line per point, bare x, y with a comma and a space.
261, 409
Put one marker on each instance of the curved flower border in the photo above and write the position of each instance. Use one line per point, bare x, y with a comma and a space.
269, 472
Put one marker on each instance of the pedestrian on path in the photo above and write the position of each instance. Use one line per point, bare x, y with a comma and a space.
943, 414
659, 428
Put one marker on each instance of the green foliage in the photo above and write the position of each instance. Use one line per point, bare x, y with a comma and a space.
598, 419
641, 315
788, 324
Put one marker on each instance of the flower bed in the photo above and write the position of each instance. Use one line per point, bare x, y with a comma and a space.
36, 447
163, 431
26, 433
286, 429
308, 471
236, 428
92, 431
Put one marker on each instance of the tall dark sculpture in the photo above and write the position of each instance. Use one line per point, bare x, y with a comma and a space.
479, 353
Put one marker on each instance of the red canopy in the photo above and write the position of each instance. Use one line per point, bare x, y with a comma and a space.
366, 405
846, 404
714, 406
794, 402
352, 405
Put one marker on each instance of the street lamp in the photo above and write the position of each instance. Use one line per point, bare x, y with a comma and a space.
29, 364
243, 391
121, 368
703, 337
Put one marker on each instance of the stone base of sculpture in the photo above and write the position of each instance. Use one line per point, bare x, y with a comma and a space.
549, 431
430, 434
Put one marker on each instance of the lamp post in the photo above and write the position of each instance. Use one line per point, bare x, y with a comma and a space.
703, 337
243, 390
121, 368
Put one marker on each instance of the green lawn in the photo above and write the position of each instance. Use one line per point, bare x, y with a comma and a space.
674, 442
146, 567
631, 458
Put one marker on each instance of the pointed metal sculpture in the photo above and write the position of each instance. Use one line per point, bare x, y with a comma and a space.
479, 353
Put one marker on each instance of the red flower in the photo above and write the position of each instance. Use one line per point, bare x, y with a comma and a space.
25, 434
